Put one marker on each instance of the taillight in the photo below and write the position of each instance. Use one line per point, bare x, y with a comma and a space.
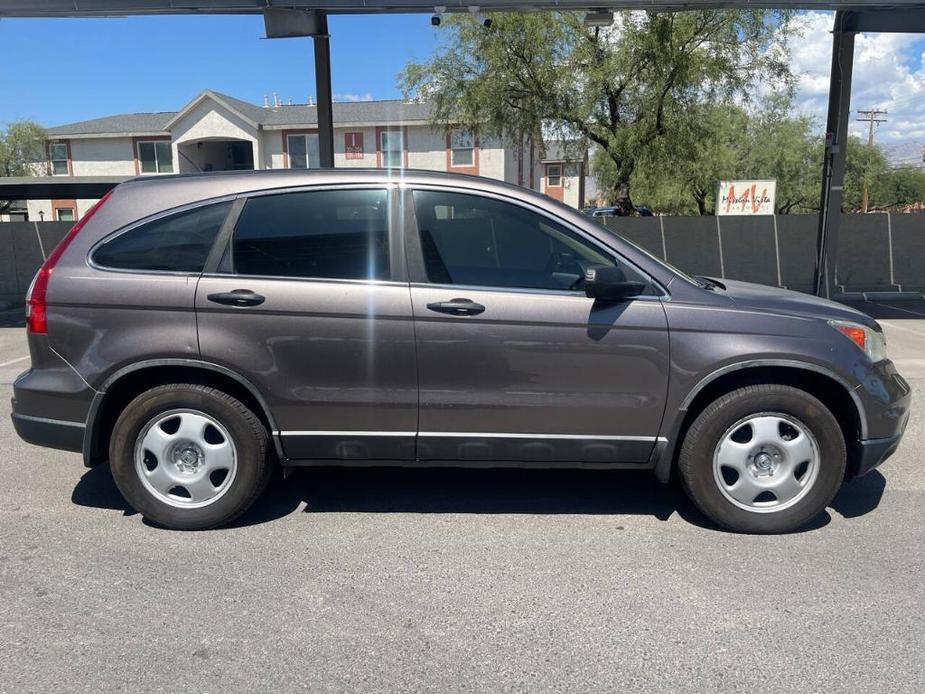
36, 314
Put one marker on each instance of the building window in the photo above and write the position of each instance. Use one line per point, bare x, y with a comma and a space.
553, 175
57, 152
353, 145
391, 147
155, 156
303, 151
64, 214
462, 148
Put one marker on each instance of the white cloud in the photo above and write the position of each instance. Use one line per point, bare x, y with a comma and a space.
884, 77
353, 97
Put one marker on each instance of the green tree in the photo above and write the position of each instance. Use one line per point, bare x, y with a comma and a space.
625, 88
680, 174
786, 148
899, 187
22, 146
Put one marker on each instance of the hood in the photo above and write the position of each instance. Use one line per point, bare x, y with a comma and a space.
784, 301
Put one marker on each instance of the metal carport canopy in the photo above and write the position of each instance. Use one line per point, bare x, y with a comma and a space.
310, 18
88, 8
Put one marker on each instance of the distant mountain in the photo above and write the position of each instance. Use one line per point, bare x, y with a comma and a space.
906, 152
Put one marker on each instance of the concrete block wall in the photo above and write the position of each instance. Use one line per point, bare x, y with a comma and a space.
876, 252
23, 248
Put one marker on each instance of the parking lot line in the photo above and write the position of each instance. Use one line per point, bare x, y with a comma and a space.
13, 361
904, 310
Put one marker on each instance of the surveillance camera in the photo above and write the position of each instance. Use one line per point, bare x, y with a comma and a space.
438, 15
474, 10
435, 20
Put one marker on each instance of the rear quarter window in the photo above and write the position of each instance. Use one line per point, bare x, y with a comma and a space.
176, 243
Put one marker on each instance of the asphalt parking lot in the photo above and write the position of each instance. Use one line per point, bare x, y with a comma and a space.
409, 580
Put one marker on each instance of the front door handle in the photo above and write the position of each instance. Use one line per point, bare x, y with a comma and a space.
237, 297
457, 307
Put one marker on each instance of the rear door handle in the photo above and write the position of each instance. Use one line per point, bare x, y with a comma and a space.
457, 307
237, 297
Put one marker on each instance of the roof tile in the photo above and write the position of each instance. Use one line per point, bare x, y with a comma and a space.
296, 115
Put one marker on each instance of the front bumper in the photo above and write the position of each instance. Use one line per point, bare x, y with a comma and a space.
886, 397
875, 451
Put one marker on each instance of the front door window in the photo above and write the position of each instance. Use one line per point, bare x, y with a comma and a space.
478, 241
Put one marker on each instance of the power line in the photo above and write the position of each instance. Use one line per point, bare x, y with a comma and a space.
870, 117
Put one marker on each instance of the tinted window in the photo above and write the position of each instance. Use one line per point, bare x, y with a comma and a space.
469, 239
338, 234
179, 243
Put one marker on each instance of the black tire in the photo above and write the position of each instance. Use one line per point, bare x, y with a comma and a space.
250, 438
695, 463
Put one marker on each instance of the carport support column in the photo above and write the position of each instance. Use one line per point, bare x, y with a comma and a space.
833, 166
323, 92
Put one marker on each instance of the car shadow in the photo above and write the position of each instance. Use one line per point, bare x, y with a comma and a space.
97, 489
860, 496
488, 491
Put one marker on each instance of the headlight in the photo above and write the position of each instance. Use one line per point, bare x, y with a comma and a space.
871, 342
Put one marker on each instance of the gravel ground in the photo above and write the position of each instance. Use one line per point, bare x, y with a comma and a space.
401, 580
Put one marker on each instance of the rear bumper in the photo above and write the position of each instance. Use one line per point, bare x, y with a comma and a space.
51, 433
51, 401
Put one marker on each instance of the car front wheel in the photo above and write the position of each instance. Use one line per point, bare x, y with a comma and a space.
763, 459
188, 456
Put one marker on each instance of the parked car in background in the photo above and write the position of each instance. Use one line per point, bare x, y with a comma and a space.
606, 212
197, 330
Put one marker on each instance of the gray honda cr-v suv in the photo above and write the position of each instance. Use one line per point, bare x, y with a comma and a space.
195, 330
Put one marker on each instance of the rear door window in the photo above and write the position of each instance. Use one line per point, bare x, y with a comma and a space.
176, 243
337, 234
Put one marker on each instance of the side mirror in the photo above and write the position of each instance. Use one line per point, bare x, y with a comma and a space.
609, 283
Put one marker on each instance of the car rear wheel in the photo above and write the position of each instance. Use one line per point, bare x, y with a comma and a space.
189, 457
763, 459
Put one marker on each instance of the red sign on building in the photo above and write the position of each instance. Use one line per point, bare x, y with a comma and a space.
353, 145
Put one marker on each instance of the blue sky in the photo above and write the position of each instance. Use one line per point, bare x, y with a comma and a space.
62, 70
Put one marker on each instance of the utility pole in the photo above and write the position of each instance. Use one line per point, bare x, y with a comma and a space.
870, 117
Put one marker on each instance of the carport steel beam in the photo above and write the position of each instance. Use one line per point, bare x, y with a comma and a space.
97, 8
852, 16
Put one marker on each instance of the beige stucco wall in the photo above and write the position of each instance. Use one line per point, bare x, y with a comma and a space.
208, 120
111, 156
38, 208
272, 148
426, 148
492, 159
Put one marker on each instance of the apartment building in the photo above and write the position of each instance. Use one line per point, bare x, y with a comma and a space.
217, 132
